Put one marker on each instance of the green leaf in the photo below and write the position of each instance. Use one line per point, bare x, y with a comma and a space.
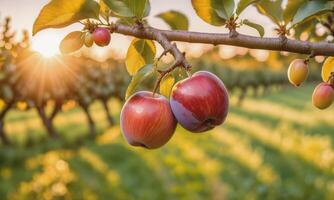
129, 8
271, 9
258, 27
291, 9
229, 7
312, 9
139, 77
126, 21
140, 53
72, 42
61, 13
207, 11
175, 19
243, 4
147, 8
166, 85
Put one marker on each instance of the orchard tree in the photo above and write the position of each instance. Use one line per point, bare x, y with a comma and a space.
200, 101
9, 48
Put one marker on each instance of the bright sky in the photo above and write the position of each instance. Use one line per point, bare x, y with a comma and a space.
24, 12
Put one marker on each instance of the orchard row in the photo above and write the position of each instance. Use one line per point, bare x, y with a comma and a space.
27, 82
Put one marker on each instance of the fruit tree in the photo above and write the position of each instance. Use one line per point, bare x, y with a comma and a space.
200, 101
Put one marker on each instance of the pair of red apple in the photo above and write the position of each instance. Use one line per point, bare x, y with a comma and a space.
198, 103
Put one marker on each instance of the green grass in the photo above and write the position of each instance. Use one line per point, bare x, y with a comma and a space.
273, 147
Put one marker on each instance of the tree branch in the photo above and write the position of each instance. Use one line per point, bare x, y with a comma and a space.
55, 111
252, 42
46, 122
172, 48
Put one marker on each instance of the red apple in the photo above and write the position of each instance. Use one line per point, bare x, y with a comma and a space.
200, 102
147, 120
323, 96
101, 36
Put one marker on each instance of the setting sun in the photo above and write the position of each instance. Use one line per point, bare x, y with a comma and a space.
46, 43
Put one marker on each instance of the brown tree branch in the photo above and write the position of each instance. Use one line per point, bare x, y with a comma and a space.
241, 40
55, 111
47, 122
172, 48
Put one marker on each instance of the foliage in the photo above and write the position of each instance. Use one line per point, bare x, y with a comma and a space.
289, 17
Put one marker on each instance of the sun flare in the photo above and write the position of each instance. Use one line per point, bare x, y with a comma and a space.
46, 44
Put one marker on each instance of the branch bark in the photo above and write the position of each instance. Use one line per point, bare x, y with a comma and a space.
241, 40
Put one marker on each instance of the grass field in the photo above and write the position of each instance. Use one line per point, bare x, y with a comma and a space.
273, 147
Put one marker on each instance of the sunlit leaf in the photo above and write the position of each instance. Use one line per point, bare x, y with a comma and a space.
311, 9
291, 9
207, 11
72, 42
139, 77
129, 8
140, 53
258, 27
271, 9
61, 13
104, 10
166, 85
243, 4
175, 19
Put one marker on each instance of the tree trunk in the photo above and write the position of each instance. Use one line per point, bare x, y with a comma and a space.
242, 96
3, 135
109, 116
3, 113
256, 91
47, 122
91, 124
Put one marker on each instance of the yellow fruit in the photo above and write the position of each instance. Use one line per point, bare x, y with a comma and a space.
323, 96
327, 68
297, 72
89, 40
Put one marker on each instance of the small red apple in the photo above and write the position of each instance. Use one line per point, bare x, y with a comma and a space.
101, 36
200, 102
147, 120
323, 96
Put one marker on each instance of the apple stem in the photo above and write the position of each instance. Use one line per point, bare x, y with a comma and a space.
162, 74
307, 60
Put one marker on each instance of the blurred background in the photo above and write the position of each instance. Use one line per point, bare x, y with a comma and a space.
59, 120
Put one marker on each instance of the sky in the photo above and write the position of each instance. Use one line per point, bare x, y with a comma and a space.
24, 12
